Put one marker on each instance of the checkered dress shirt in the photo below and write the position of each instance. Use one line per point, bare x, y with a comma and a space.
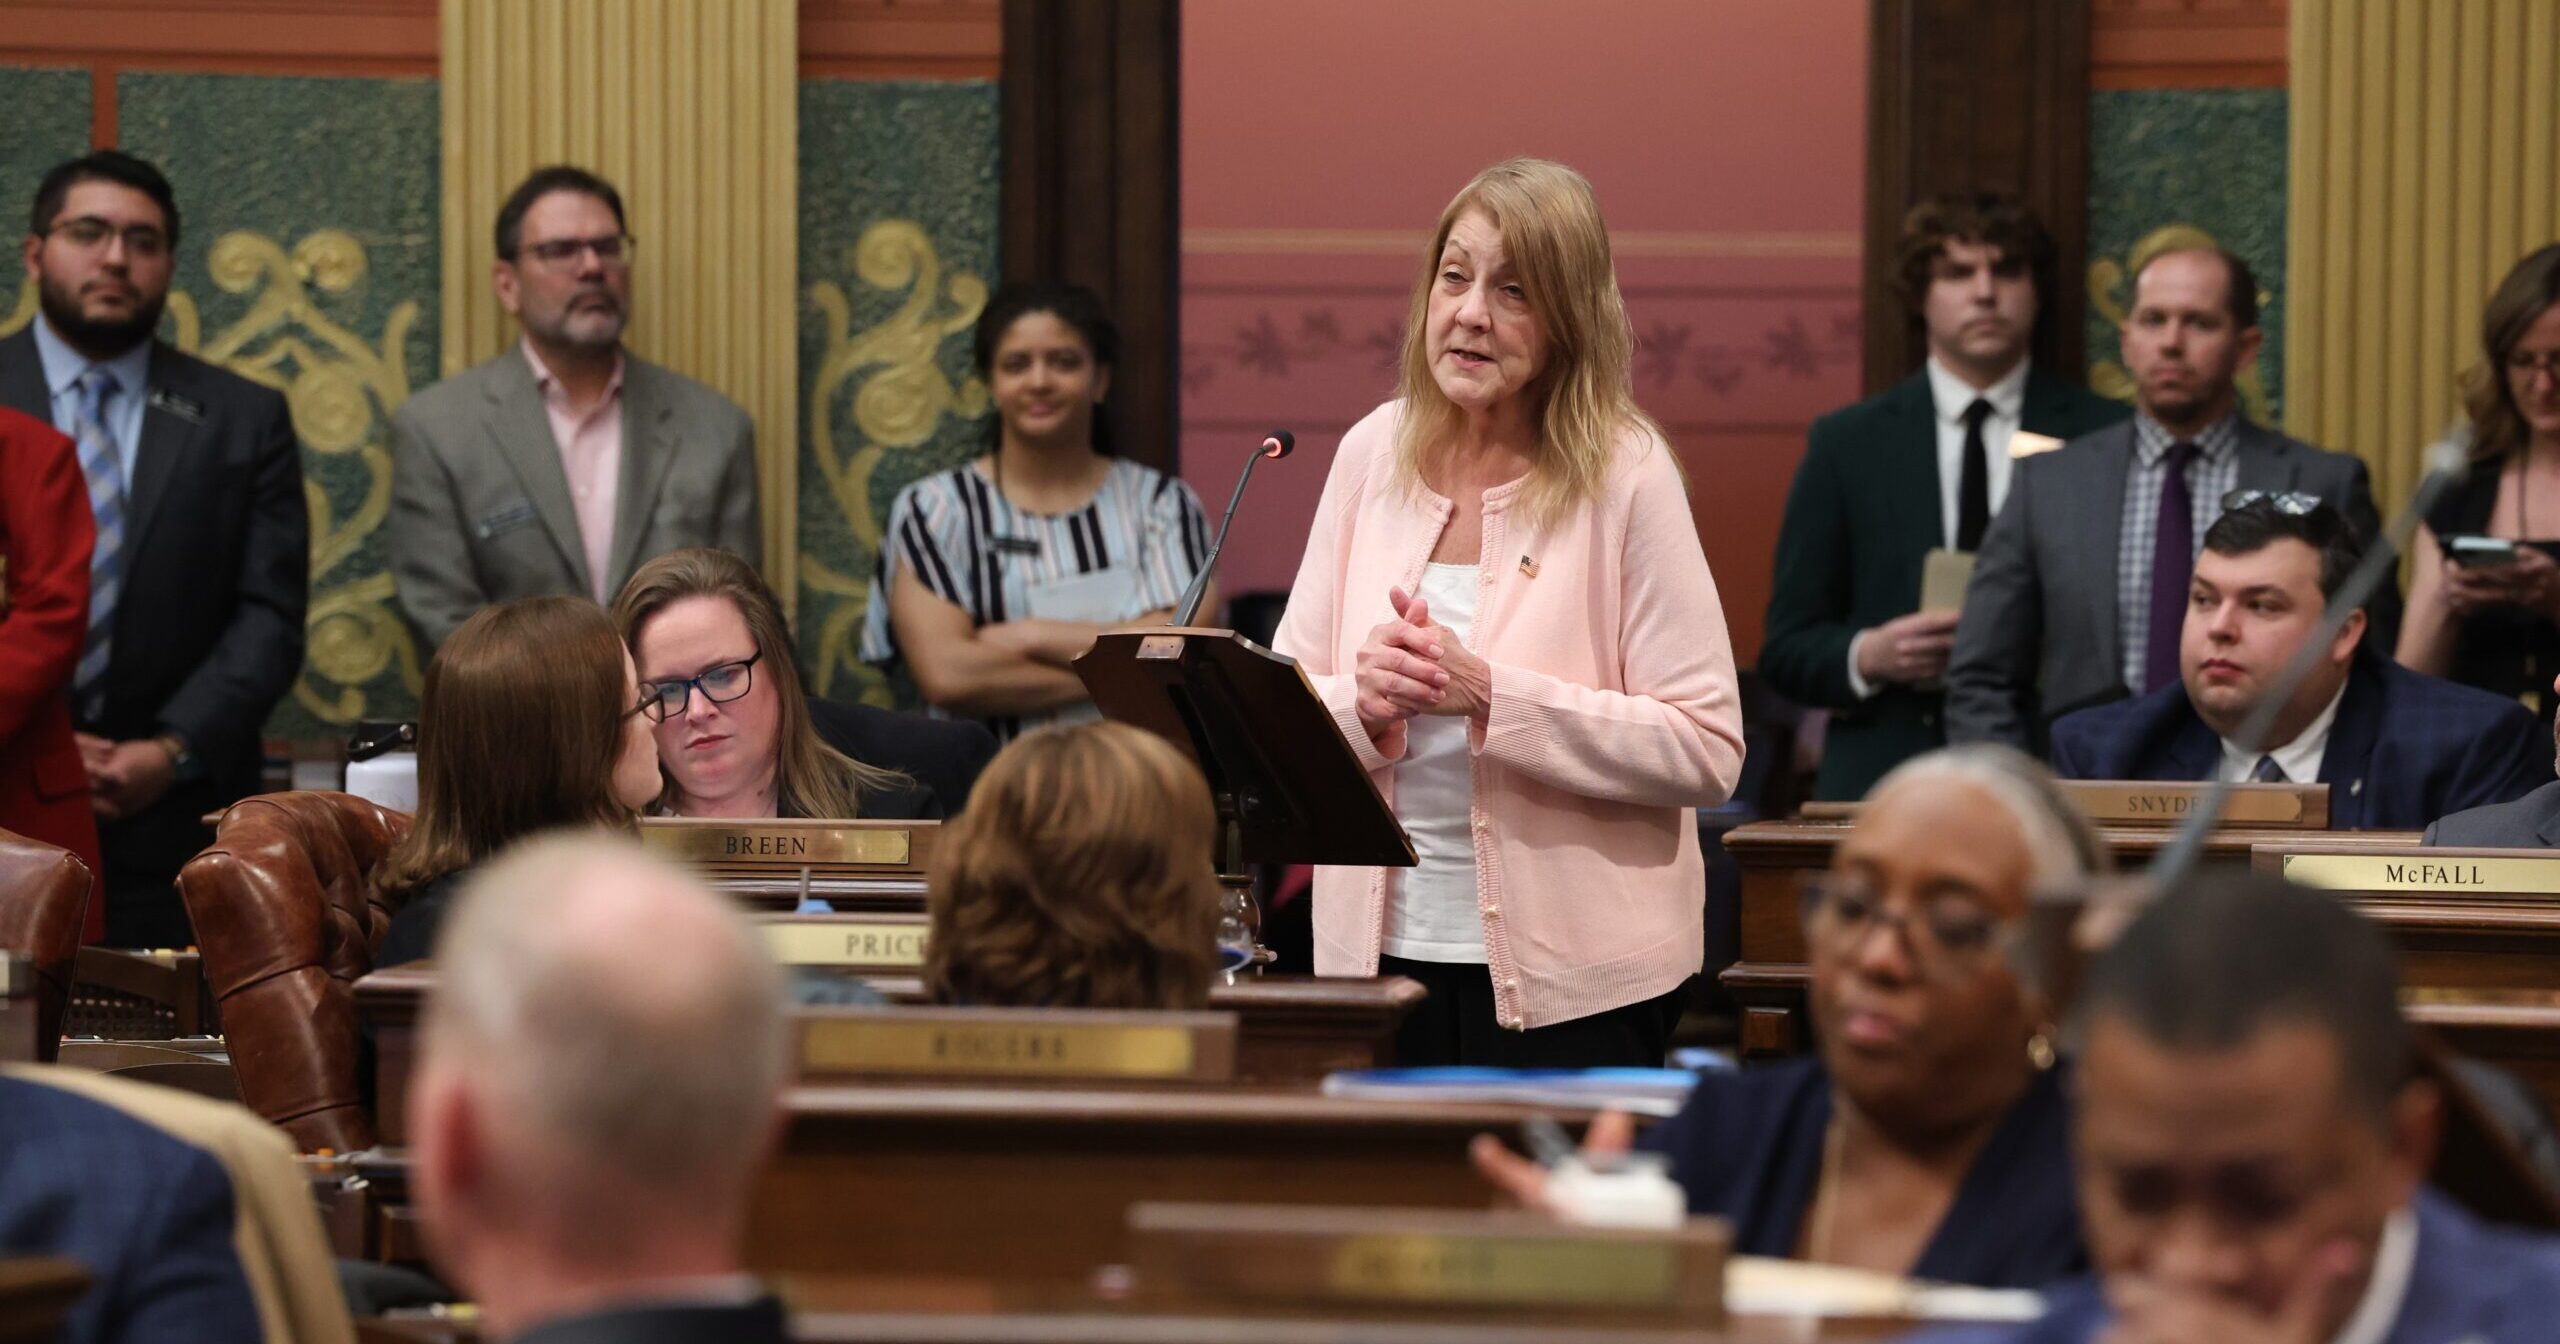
2215, 473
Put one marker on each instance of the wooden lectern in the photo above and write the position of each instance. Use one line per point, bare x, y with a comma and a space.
1287, 787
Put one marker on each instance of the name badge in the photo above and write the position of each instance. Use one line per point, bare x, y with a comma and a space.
507, 519
2381, 872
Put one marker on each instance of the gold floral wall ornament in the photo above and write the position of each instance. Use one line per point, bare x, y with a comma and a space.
24, 312
2110, 293
898, 406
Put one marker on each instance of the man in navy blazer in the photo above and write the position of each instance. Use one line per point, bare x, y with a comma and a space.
2252, 1143
149, 1217
2397, 749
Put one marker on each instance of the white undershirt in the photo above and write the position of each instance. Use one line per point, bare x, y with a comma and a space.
2299, 758
1431, 907
2387, 1288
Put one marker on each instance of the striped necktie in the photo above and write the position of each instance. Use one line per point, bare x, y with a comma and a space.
103, 463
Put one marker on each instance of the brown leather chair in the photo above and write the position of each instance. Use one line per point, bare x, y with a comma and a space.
44, 895
285, 915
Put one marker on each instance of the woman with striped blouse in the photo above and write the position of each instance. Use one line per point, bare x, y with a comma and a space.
996, 574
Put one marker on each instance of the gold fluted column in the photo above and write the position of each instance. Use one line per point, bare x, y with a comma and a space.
691, 109
2424, 165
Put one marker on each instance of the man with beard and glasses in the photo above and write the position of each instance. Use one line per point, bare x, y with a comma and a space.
198, 578
568, 462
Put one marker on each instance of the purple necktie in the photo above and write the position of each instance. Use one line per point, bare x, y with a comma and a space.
2173, 564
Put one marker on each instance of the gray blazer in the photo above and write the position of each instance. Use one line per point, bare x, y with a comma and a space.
2530, 822
480, 507
2038, 637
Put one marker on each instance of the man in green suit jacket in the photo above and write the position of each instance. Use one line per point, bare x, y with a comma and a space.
1920, 466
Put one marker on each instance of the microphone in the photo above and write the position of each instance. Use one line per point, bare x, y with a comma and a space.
1277, 444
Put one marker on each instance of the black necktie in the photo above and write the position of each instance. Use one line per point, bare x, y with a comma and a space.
2268, 772
1973, 487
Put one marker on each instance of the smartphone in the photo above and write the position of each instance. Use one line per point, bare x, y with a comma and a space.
2480, 552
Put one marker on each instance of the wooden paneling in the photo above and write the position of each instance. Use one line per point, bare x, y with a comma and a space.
2187, 44
1092, 183
1964, 95
900, 39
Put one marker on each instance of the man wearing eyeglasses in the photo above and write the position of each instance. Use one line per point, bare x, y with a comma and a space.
199, 574
566, 462
2397, 748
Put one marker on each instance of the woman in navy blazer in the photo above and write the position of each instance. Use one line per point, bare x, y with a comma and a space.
1928, 1137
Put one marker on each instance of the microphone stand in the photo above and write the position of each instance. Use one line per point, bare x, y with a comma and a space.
1276, 444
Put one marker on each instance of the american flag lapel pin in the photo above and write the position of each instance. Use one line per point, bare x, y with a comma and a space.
1528, 566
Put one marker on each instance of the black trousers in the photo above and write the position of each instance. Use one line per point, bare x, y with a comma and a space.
1456, 1026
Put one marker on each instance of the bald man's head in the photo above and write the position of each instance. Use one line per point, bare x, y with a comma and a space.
610, 1035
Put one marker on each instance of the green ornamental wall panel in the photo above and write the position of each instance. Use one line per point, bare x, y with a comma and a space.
898, 223
310, 263
2168, 165
47, 116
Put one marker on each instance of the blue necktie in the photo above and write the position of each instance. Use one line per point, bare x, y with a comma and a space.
2268, 772
103, 463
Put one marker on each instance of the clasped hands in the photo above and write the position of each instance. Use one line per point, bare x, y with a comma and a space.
125, 777
1414, 665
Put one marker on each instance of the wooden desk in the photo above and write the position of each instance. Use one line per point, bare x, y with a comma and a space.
1293, 1030
967, 1186
2516, 1030
1775, 857
1099, 1326
36, 1292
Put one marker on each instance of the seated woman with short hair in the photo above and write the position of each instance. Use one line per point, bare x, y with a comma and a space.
1080, 877
1928, 1137
529, 721
736, 735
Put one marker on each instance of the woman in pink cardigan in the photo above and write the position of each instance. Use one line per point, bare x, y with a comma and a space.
1505, 604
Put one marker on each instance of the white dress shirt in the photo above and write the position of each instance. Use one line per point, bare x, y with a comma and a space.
2394, 1258
2299, 758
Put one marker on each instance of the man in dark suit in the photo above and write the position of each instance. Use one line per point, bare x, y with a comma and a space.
149, 1217
2397, 749
199, 575
2083, 575
2530, 822
2253, 1145
45, 535
599, 1081
1922, 465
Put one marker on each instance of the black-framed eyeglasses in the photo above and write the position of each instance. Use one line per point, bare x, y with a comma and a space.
90, 233
560, 253
663, 700
1949, 937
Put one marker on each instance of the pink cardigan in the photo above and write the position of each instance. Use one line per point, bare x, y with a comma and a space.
1614, 713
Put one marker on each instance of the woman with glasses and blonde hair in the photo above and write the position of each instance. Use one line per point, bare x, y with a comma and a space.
529, 721
1505, 605
2484, 579
1079, 878
737, 737
1928, 1137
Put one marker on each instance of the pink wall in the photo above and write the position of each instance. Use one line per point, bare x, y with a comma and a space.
1320, 139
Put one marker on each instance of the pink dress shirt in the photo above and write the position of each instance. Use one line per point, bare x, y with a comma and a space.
1614, 713
591, 457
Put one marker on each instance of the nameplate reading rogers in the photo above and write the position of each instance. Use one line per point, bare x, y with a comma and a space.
2388, 872
875, 1044
1422, 1268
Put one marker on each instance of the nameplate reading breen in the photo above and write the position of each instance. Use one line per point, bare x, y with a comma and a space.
2391, 872
2276, 806
837, 943
880, 1043
781, 845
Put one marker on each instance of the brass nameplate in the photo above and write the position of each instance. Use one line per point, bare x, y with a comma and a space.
781, 845
1508, 1270
2278, 806
2377, 872
878, 1043
836, 943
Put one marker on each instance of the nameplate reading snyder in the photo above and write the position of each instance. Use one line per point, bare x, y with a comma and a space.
2387, 872
837, 943
877, 1043
1510, 1270
2277, 806
781, 845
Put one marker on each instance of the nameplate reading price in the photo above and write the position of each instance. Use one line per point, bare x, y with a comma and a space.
1506, 1270
2379, 872
880, 1044
781, 845
836, 943
2277, 806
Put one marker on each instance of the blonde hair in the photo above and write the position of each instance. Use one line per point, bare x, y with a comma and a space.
1584, 397
810, 778
1078, 877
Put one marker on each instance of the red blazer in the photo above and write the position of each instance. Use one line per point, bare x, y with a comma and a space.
45, 534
